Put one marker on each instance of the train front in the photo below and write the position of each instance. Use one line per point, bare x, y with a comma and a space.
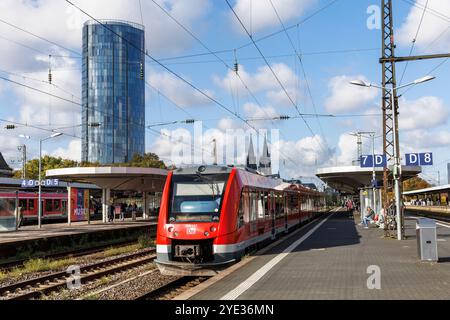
191, 216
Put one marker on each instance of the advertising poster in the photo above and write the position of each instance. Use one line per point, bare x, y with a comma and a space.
78, 204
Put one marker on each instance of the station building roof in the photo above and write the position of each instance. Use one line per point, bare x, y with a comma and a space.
437, 189
349, 179
114, 178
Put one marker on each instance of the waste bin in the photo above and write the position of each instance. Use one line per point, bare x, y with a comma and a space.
426, 239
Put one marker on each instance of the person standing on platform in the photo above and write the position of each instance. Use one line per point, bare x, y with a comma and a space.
133, 211
111, 213
123, 207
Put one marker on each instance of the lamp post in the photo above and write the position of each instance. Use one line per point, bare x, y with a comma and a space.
396, 167
54, 135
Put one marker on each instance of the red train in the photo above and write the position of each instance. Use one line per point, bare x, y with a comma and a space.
210, 216
54, 205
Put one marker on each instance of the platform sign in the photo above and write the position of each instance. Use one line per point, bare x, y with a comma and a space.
367, 161
419, 159
44, 183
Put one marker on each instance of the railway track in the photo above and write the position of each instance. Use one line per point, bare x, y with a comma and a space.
172, 289
8, 266
35, 288
427, 214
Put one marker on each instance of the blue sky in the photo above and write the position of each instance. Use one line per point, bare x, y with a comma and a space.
341, 25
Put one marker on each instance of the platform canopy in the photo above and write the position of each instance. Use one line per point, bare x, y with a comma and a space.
431, 190
114, 178
349, 179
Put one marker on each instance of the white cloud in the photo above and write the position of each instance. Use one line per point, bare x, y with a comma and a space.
424, 140
347, 149
434, 34
72, 152
178, 91
259, 15
345, 97
62, 23
263, 80
424, 113
303, 156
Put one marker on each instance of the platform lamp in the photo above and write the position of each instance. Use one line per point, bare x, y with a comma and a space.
54, 135
397, 166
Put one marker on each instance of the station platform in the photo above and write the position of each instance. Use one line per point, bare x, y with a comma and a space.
331, 261
29, 239
32, 232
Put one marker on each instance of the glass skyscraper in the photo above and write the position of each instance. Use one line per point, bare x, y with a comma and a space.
113, 91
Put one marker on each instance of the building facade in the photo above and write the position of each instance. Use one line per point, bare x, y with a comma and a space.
113, 91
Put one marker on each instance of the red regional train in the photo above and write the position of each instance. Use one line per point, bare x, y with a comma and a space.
54, 205
210, 216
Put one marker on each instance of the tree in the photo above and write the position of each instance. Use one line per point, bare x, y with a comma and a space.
415, 183
48, 163
148, 160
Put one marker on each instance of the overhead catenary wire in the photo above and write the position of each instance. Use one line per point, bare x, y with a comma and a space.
40, 81
234, 69
259, 39
414, 41
273, 72
78, 104
286, 55
301, 64
39, 37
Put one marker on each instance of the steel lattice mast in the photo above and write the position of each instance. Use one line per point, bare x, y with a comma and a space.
388, 78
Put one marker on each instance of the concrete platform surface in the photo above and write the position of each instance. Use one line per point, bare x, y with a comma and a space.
32, 232
336, 261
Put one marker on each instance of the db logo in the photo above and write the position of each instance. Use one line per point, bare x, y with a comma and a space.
191, 230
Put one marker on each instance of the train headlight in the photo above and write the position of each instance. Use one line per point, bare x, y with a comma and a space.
170, 229
213, 229
206, 233
175, 234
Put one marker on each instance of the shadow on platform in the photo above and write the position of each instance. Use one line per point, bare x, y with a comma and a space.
339, 230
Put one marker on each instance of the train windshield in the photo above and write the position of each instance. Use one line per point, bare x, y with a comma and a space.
196, 197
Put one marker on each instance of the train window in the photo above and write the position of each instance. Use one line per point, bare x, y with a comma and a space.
266, 204
255, 205
252, 205
261, 205
197, 198
246, 197
23, 204
56, 205
48, 205
278, 211
30, 204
